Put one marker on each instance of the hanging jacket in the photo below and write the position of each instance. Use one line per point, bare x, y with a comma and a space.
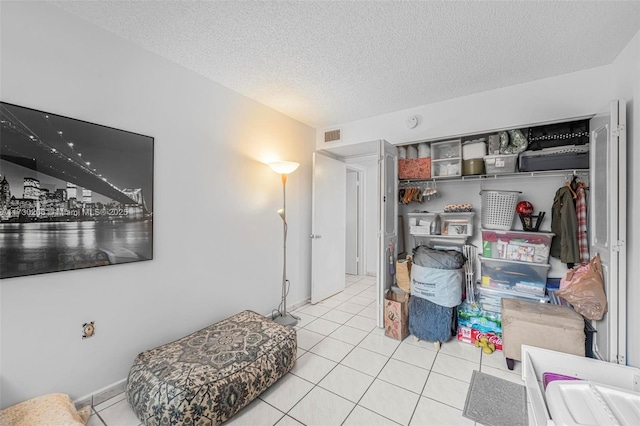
564, 224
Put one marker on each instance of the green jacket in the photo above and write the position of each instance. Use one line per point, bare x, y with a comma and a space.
564, 224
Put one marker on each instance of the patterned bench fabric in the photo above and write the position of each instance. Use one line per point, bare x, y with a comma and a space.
208, 376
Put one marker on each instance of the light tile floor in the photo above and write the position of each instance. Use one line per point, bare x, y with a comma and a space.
349, 373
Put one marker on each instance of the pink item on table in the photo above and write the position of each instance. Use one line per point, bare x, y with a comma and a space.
550, 377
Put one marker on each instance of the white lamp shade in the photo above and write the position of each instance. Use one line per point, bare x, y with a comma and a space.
284, 167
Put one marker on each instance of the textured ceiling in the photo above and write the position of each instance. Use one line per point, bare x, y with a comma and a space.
329, 62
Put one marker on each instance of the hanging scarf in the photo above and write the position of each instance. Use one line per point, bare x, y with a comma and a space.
581, 213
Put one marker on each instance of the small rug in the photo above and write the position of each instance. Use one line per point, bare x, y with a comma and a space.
493, 401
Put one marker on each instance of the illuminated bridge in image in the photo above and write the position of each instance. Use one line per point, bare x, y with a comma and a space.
54, 156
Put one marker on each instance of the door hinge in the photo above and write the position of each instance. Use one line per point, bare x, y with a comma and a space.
619, 129
618, 246
620, 360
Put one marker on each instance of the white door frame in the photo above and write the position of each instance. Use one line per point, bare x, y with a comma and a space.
387, 221
361, 209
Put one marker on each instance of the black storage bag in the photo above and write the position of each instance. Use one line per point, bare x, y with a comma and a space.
560, 134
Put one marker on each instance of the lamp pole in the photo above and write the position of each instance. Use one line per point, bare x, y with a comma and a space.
284, 168
284, 238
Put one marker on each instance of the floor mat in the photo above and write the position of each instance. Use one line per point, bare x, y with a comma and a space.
493, 401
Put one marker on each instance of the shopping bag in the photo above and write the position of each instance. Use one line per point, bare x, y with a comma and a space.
403, 273
586, 293
396, 314
573, 275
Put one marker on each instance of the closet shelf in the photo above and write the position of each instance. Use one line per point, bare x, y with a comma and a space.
516, 175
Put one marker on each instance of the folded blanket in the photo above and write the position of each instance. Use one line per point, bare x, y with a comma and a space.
52, 409
431, 322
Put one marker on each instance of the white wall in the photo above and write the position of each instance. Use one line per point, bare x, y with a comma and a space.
570, 95
627, 77
216, 230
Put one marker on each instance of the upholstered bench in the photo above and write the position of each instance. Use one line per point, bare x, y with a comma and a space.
208, 376
544, 325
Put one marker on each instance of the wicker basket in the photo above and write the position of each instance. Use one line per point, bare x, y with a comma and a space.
498, 208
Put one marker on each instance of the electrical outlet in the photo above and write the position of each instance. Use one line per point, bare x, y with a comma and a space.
88, 329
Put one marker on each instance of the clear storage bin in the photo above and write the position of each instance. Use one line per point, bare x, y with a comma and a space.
517, 245
490, 298
523, 277
500, 164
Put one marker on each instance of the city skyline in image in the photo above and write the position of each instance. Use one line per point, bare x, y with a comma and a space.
120, 158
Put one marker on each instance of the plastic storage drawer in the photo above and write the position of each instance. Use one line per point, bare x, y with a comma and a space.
523, 277
446, 158
517, 245
561, 158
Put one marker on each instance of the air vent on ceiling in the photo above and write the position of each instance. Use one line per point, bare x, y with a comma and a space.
332, 135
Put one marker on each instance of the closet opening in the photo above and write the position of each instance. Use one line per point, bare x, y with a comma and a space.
355, 208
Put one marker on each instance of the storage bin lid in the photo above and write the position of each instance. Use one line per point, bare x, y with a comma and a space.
518, 232
577, 403
489, 261
423, 214
500, 293
489, 157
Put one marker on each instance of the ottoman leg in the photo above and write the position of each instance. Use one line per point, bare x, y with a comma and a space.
511, 363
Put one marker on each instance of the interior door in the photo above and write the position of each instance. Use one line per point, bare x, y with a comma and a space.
608, 225
387, 221
328, 227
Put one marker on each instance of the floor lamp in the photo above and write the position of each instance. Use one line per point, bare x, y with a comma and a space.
284, 168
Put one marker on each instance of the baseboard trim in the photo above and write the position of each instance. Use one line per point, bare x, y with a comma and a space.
101, 395
290, 307
300, 304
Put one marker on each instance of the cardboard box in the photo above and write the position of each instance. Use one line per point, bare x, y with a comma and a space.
470, 335
396, 314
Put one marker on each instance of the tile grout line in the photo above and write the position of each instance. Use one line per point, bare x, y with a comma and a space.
329, 372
